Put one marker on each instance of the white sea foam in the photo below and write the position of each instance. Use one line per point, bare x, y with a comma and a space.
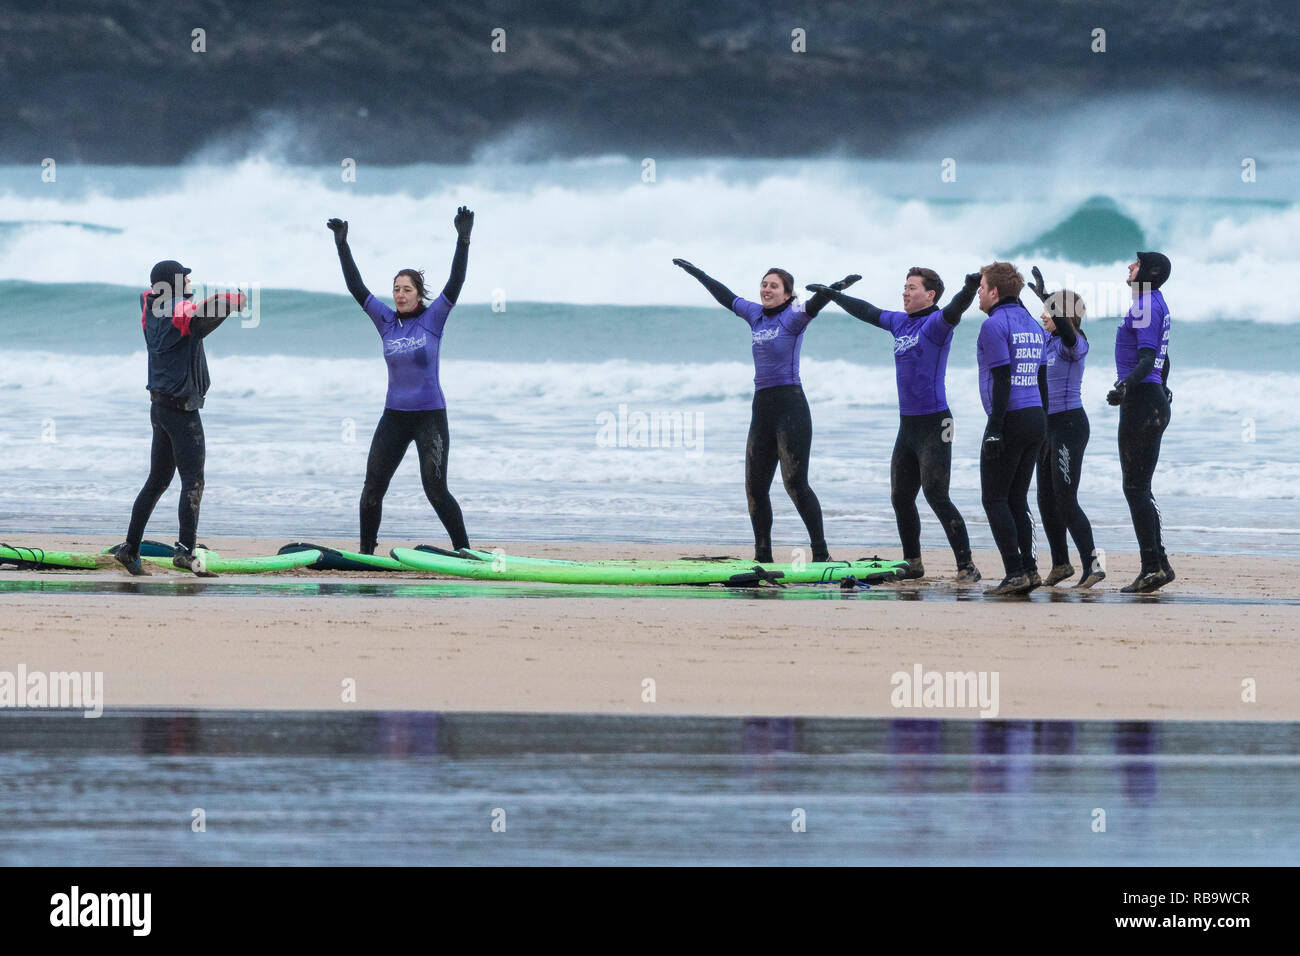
254, 384
268, 416
584, 233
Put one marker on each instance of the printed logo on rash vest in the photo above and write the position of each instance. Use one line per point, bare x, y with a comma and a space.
904, 342
1029, 346
765, 335
402, 346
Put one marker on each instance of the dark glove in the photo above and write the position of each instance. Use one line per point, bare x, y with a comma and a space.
1038, 286
689, 267
464, 223
973, 280
992, 443
844, 283
818, 289
1116, 394
340, 229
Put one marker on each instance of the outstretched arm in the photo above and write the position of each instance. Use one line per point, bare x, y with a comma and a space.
724, 296
350, 274
464, 224
956, 308
824, 294
858, 308
214, 310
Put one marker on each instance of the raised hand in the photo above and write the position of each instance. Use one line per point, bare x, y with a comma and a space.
820, 289
1038, 286
688, 266
845, 283
464, 223
973, 280
340, 229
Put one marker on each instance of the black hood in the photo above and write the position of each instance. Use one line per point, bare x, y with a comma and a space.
1153, 269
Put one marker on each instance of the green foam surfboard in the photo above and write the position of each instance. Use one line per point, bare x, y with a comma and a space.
40, 558
259, 565
503, 567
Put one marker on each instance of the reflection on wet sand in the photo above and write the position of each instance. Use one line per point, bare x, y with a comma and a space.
355, 787
250, 586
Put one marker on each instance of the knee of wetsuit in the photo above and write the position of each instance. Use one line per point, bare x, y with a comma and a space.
1134, 487
435, 491
897, 496
994, 498
794, 486
935, 493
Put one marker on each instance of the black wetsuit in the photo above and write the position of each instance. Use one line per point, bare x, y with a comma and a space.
1007, 465
178, 382
1143, 418
178, 445
397, 429
1060, 466
780, 431
1141, 359
1005, 480
393, 436
1060, 469
922, 458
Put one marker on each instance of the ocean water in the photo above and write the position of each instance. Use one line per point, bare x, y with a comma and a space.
594, 391
403, 788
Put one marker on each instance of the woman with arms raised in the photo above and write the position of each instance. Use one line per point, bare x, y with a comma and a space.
415, 410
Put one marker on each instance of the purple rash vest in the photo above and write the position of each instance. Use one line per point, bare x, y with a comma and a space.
921, 345
1010, 336
1144, 326
777, 340
411, 351
1065, 373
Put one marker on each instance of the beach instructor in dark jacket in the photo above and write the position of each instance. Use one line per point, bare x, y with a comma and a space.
174, 330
